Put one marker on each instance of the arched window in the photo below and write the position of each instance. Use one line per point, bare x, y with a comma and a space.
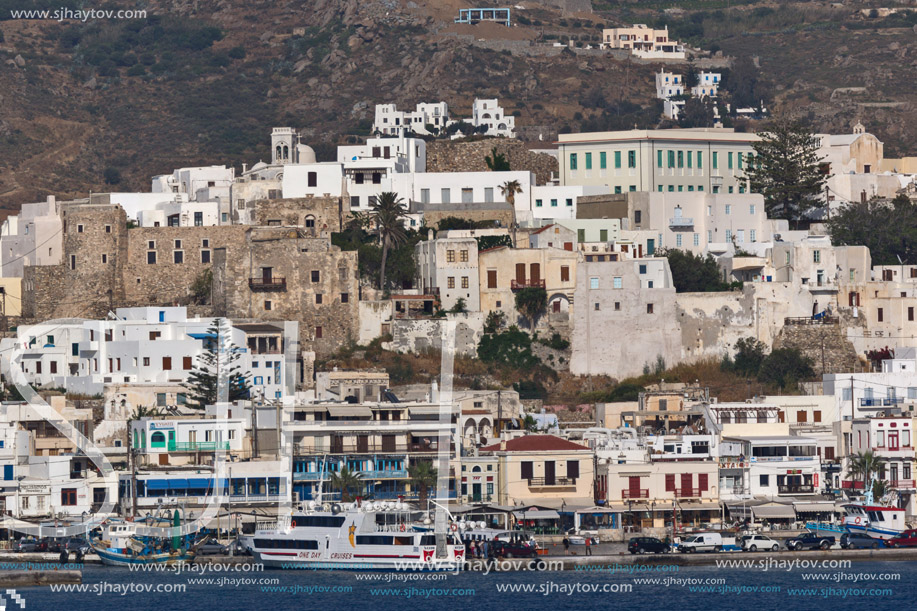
279, 152
157, 440
476, 469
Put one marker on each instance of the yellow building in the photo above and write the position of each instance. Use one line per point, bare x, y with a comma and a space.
503, 271
543, 470
11, 296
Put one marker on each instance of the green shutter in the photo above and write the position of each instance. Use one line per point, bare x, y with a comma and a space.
715, 164
681, 159
588, 161
603, 160
658, 159
729, 160
671, 159
617, 159
631, 159
740, 160
699, 158
689, 159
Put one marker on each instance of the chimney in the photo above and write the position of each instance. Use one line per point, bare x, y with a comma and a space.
430, 234
503, 445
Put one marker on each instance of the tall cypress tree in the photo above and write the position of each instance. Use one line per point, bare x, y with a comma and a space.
787, 171
202, 383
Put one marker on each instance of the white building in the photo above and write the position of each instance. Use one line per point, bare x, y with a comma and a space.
177, 439
890, 438
390, 121
708, 85
32, 237
555, 202
643, 42
182, 214
772, 466
410, 154
489, 114
449, 265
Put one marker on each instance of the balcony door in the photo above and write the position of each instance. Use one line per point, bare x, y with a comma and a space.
520, 273
686, 484
266, 274
549, 474
893, 441
633, 487
535, 273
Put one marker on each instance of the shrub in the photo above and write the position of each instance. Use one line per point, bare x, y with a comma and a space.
237, 53
112, 176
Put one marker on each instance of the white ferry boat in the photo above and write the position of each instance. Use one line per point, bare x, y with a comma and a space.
878, 521
354, 536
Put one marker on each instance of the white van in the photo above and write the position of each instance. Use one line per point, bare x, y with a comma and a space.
701, 542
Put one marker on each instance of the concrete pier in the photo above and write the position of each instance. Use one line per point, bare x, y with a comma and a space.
25, 579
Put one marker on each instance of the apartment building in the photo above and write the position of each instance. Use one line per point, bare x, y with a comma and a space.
643, 42
712, 160
891, 439
449, 266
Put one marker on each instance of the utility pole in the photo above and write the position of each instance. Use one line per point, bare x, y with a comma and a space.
499, 413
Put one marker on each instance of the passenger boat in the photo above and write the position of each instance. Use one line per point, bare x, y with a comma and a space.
880, 521
355, 536
120, 546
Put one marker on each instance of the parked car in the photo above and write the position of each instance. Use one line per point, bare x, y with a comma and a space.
212, 548
513, 549
702, 542
26, 545
642, 545
53, 545
860, 541
809, 541
906, 539
752, 543
80, 545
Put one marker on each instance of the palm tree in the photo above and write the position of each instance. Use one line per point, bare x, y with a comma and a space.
508, 190
865, 464
346, 480
423, 477
387, 214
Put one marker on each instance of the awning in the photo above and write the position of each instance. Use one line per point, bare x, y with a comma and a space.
774, 511
538, 514
597, 510
638, 507
428, 410
157, 484
818, 507
350, 411
311, 409
699, 506
199, 482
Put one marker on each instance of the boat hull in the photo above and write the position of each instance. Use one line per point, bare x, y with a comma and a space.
293, 561
110, 558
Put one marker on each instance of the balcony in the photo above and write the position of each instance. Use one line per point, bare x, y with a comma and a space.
517, 285
851, 485
274, 283
901, 484
797, 489
643, 493
681, 221
687, 493
197, 446
880, 402
541, 482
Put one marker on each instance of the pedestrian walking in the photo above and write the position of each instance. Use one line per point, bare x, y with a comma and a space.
566, 546
588, 546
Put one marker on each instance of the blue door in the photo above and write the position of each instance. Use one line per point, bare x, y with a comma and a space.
7, 472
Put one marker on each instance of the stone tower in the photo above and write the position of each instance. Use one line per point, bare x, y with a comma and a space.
283, 145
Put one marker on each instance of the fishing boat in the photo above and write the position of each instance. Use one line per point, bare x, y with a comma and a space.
120, 545
356, 536
879, 521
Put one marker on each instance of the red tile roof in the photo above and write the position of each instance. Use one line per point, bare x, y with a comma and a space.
537, 443
546, 227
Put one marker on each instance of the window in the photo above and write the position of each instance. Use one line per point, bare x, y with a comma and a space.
151, 245
649, 308
593, 283
671, 159
491, 278
205, 256
910, 313
658, 159
318, 332
681, 159
268, 305
752, 235
450, 256
617, 282
198, 219
697, 239
316, 275
618, 189
729, 160
642, 268
680, 188
553, 203
881, 315
564, 273
488, 194
104, 258
107, 228
671, 188
631, 159
638, 215
177, 243
72, 261
464, 282
728, 209
597, 307
425, 196
450, 282
588, 161
617, 159
185, 363
764, 480
538, 203
678, 240
739, 156
79, 229
816, 415
816, 256
689, 158
699, 162
729, 235
68, 497
146, 361
572, 161
318, 299
715, 160
751, 209
178, 256
167, 363
569, 201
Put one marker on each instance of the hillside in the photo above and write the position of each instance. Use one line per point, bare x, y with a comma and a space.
203, 81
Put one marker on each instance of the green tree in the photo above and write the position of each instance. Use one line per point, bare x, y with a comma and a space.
202, 383
787, 170
511, 347
423, 477
497, 162
460, 306
532, 302
494, 321
743, 82
888, 229
785, 367
388, 213
862, 465
201, 287
697, 112
750, 353
509, 189
112, 176
693, 273
346, 481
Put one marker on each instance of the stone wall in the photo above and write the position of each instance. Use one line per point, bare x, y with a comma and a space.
313, 283
433, 214
89, 281
826, 345
448, 156
419, 335
316, 215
